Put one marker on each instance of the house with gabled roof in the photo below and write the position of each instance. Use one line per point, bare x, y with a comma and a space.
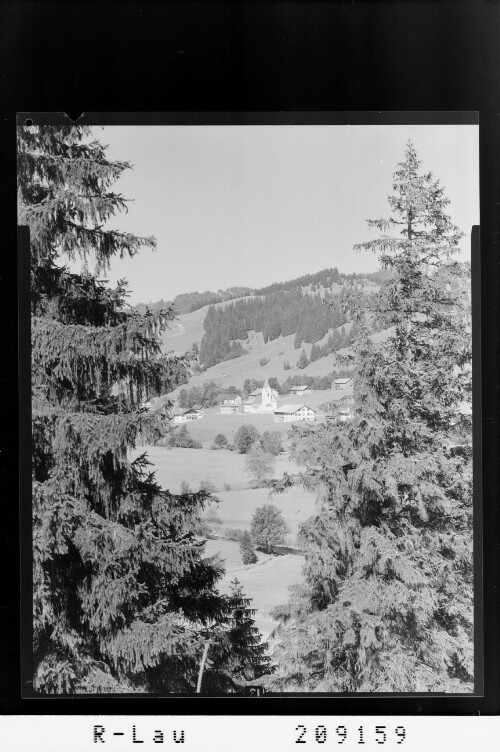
187, 415
228, 398
291, 413
341, 383
299, 390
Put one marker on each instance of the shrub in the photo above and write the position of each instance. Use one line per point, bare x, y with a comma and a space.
220, 442
185, 489
227, 486
203, 528
259, 464
233, 533
207, 486
271, 442
263, 361
248, 555
213, 518
182, 438
244, 437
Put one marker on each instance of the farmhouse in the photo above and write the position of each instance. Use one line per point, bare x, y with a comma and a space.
341, 383
299, 390
229, 409
343, 412
229, 399
187, 415
263, 400
289, 413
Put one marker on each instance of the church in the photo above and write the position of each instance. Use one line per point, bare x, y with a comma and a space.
263, 400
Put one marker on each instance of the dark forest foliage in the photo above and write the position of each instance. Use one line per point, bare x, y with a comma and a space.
275, 314
191, 301
124, 598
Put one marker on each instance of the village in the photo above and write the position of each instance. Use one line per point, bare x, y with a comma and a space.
264, 400
264, 411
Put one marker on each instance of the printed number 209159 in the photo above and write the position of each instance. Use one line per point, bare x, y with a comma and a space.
381, 734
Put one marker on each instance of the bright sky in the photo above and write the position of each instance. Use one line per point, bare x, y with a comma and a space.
252, 205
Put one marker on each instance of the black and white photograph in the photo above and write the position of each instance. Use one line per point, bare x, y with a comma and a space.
251, 407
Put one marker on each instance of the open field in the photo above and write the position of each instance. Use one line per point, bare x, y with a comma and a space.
237, 508
238, 505
267, 582
214, 422
221, 466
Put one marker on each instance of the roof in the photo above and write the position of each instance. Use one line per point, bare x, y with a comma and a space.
342, 381
256, 393
191, 410
290, 409
297, 388
227, 396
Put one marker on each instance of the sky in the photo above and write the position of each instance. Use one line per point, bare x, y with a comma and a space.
252, 205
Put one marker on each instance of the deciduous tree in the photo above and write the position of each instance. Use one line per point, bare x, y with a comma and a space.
245, 437
259, 464
269, 527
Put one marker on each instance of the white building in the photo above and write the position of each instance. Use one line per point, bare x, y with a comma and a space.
290, 413
229, 409
341, 383
263, 400
229, 399
187, 415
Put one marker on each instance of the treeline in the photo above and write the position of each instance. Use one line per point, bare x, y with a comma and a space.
191, 301
277, 314
283, 387
325, 277
209, 393
154, 307
206, 395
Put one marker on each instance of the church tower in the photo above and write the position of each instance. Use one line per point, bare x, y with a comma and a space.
268, 396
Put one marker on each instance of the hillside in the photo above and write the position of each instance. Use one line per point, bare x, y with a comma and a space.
234, 372
271, 328
188, 328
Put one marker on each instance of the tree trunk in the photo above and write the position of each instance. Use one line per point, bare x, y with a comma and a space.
202, 666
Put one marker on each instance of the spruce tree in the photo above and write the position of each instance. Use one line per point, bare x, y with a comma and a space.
236, 655
387, 602
122, 591
302, 361
247, 553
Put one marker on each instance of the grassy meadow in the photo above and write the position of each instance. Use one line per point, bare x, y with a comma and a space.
267, 582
